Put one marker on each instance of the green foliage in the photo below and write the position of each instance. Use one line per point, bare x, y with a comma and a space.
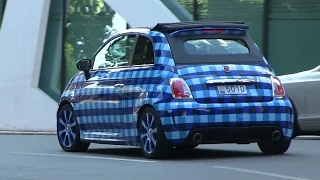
207, 8
70, 64
89, 23
202, 10
188, 4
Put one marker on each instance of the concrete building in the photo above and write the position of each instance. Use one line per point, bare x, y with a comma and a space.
40, 40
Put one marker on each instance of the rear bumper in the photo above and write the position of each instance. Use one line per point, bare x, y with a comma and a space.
212, 135
227, 122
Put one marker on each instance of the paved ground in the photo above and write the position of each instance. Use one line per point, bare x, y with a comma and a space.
37, 157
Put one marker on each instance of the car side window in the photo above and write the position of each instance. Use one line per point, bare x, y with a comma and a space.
115, 53
143, 53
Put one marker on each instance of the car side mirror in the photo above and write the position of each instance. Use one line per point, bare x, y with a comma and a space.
85, 66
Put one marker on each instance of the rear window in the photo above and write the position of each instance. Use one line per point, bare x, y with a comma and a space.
215, 46
214, 49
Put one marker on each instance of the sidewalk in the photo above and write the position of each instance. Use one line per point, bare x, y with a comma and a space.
26, 133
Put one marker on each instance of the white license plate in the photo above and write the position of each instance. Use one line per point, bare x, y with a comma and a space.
232, 89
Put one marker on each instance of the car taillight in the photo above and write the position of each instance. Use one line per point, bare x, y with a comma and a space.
179, 88
278, 89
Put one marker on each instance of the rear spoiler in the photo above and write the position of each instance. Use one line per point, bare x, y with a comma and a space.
171, 27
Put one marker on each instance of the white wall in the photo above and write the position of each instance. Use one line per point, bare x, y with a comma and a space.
142, 13
24, 107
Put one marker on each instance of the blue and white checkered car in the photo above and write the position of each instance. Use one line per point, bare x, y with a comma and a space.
176, 85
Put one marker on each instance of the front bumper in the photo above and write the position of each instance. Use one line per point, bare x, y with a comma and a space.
225, 122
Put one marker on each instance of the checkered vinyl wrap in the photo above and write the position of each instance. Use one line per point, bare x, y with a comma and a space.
109, 114
102, 108
162, 49
179, 120
197, 76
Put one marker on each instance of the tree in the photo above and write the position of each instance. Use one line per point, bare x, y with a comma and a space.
89, 23
201, 10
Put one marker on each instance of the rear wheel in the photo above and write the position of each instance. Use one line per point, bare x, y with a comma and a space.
274, 147
151, 135
68, 130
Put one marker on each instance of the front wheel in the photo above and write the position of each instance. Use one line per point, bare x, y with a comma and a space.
274, 147
151, 135
68, 130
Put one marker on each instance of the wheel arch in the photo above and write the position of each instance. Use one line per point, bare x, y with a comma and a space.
295, 116
142, 108
294, 108
63, 103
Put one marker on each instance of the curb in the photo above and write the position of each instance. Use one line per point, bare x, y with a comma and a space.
54, 133
307, 137
26, 133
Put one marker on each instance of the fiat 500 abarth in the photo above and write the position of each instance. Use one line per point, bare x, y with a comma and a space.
176, 85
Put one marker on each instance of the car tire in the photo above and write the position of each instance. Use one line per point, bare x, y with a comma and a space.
274, 147
152, 140
68, 130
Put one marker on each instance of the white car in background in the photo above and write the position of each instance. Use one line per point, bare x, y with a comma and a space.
303, 88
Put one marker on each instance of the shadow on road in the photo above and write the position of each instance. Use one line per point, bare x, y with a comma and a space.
198, 153
124, 152
191, 154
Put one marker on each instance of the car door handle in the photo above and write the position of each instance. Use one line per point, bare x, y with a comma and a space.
119, 85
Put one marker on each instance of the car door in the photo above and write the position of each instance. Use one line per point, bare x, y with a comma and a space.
101, 105
140, 80
313, 99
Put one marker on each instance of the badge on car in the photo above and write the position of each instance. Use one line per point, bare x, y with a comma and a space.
226, 68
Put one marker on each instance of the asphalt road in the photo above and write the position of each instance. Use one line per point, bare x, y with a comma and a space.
36, 157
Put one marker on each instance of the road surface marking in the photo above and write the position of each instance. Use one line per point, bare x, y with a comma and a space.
260, 173
84, 157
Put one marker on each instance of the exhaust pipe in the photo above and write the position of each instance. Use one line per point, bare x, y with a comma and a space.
197, 138
276, 135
